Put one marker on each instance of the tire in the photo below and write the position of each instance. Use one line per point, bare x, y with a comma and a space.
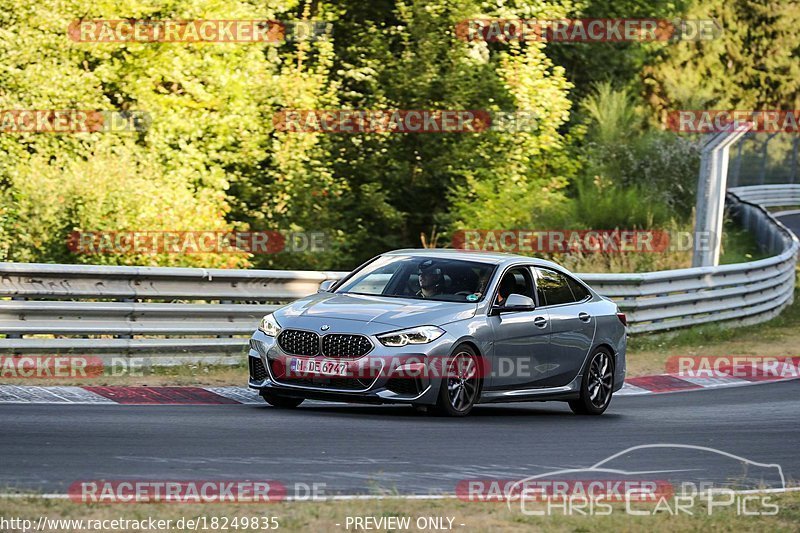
281, 402
598, 380
460, 385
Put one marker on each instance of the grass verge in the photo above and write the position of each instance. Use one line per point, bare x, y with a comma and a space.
333, 515
780, 337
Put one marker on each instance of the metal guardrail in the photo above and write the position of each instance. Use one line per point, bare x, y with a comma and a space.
738, 294
208, 313
114, 311
769, 195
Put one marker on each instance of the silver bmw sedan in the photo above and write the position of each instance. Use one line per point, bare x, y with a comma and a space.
444, 330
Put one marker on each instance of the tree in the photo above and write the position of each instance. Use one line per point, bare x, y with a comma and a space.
752, 65
206, 101
619, 63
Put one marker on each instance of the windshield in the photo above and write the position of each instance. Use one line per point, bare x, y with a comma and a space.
424, 278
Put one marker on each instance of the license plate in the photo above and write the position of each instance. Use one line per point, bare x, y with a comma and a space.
321, 367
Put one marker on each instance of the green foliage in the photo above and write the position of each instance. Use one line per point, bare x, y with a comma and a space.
612, 112
515, 179
206, 102
620, 63
643, 177
602, 205
751, 65
212, 159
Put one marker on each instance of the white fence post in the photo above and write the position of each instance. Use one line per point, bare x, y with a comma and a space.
711, 184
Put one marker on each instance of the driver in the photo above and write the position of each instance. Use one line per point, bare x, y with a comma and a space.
431, 279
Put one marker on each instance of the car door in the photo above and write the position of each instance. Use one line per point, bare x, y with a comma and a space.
572, 324
521, 338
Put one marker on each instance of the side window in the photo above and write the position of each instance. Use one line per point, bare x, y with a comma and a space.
578, 290
515, 281
552, 288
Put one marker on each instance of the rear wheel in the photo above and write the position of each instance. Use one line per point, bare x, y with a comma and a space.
281, 402
460, 384
596, 386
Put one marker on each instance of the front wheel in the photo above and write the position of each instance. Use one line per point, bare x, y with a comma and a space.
596, 386
281, 402
460, 384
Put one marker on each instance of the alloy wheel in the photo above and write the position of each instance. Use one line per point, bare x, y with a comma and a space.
462, 381
600, 380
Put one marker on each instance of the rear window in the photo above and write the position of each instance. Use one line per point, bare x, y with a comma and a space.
552, 287
578, 291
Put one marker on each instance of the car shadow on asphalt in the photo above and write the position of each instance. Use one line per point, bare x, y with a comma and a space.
550, 410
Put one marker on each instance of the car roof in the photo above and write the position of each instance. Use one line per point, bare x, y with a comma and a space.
496, 258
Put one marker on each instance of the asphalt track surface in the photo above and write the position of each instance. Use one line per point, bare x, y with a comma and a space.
792, 222
366, 449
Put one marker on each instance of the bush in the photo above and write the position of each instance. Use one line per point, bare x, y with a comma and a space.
653, 173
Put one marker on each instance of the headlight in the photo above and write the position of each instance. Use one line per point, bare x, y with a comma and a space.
420, 335
270, 326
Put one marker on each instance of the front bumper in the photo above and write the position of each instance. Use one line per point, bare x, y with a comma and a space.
385, 375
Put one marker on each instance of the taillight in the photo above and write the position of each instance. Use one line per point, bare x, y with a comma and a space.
622, 318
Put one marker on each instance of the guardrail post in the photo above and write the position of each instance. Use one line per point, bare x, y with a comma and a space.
711, 186
15, 335
225, 336
125, 336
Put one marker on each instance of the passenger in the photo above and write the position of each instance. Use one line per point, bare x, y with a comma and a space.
507, 287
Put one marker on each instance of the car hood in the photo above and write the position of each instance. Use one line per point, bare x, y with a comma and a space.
376, 310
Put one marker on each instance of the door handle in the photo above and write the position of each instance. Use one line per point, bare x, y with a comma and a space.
540, 321
585, 317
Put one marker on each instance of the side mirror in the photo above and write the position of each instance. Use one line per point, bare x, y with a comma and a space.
326, 285
515, 302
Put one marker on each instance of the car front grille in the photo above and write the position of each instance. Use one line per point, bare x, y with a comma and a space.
299, 342
257, 370
334, 345
342, 346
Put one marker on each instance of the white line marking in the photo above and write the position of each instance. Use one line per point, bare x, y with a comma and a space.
631, 390
240, 394
346, 497
34, 394
710, 383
